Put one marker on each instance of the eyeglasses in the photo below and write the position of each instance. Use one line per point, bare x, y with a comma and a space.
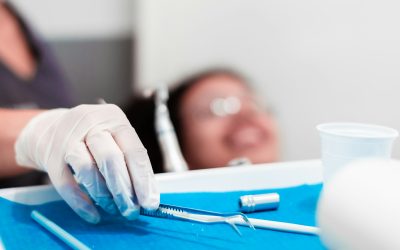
220, 107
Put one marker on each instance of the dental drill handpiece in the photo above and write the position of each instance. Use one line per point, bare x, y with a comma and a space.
172, 155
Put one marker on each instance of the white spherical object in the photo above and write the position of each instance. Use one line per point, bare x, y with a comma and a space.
359, 207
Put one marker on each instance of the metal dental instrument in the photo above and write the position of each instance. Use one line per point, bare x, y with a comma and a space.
199, 216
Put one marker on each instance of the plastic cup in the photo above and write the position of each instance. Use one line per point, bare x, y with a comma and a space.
342, 143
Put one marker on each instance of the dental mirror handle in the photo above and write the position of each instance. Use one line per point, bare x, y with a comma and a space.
281, 226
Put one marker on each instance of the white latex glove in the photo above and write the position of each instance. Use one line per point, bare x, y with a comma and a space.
104, 152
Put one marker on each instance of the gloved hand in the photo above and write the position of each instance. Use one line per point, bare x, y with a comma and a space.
98, 145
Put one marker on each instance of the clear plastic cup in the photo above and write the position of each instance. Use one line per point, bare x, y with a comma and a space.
342, 143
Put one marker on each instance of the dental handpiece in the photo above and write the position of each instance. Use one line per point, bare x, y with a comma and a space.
172, 155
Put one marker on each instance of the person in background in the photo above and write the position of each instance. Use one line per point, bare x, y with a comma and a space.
91, 153
30, 78
217, 118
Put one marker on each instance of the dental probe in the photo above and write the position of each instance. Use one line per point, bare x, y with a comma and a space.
200, 216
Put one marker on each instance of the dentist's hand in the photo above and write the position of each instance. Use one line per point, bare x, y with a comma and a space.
98, 145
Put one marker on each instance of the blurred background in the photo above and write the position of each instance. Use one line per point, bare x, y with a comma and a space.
313, 61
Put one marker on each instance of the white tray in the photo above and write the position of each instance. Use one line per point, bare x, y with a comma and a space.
262, 176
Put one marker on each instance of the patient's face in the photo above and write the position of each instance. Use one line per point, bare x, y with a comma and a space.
222, 120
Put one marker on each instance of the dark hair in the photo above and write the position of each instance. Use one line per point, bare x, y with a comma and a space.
140, 112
